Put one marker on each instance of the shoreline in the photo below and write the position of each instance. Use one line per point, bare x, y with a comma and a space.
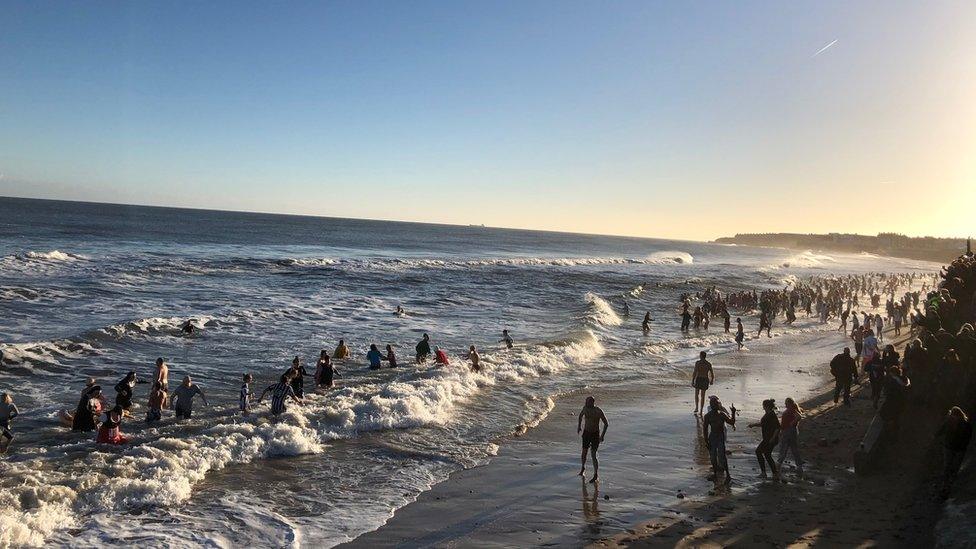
529, 493
825, 508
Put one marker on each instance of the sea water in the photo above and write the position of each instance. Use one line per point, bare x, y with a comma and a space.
96, 290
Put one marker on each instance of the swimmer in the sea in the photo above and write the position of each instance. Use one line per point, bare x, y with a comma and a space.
507, 339
592, 436
188, 327
8, 411
646, 324
341, 351
400, 311
701, 378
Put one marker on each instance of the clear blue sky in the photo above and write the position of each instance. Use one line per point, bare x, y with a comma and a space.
677, 119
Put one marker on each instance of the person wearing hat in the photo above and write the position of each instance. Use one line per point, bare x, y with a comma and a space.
714, 433
770, 438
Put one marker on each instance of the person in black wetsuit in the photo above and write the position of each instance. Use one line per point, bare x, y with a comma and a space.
298, 374
86, 415
770, 438
123, 391
423, 349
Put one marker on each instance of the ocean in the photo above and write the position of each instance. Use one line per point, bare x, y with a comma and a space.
96, 290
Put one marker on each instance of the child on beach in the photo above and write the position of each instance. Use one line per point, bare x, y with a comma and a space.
8, 411
246, 395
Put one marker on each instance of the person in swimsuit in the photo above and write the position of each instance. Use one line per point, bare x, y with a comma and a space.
592, 436
764, 324
298, 374
789, 435
158, 399
324, 371
701, 378
187, 328
475, 359
8, 411
769, 424
714, 433
646, 324
391, 356
162, 373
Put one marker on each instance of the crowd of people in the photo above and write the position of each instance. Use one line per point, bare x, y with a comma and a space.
93, 412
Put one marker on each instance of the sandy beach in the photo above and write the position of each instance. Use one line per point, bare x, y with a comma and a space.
530, 495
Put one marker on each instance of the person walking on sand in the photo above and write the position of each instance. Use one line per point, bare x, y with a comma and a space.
158, 399
789, 435
183, 398
765, 324
844, 370
714, 433
507, 339
8, 411
701, 377
280, 393
769, 424
592, 436
956, 432
740, 333
423, 349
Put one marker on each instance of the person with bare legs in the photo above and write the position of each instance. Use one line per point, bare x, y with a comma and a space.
701, 378
592, 436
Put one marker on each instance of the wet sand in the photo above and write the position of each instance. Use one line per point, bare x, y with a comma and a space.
529, 494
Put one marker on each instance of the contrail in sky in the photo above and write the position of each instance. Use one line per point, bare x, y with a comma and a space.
823, 49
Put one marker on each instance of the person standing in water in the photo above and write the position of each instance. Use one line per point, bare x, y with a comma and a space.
246, 394
646, 324
507, 339
714, 433
123, 392
769, 425
423, 349
183, 398
325, 372
158, 399
374, 357
701, 377
592, 436
110, 431
162, 373
8, 411
280, 393
298, 374
740, 333
475, 359
341, 351
88, 410
390, 356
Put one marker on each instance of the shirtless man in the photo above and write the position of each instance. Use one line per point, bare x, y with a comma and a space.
714, 433
592, 437
701, 378
162, 373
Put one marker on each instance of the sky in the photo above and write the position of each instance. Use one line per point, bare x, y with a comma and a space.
688, 120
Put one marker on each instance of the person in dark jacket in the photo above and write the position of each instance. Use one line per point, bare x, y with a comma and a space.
844, 370
956, 432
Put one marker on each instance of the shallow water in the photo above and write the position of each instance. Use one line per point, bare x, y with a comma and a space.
97, 290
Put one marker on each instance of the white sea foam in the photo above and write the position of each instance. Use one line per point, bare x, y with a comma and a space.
804, 260
600, 312
670, 257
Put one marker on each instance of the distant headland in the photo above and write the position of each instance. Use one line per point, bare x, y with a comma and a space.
926, 248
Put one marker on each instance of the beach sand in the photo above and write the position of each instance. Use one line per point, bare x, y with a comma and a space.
529, 494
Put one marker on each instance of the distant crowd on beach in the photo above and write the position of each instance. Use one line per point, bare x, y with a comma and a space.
937, 371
